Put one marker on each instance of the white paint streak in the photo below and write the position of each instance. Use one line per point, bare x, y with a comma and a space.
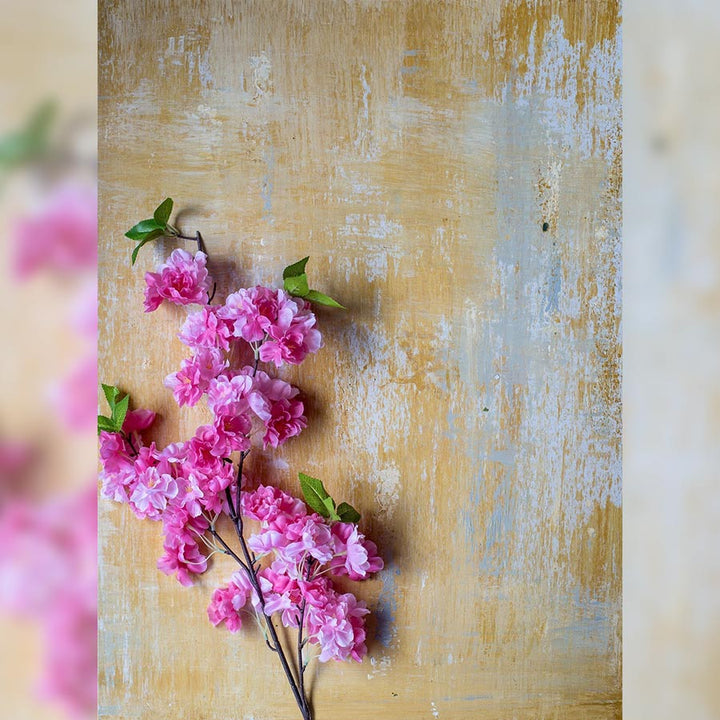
379, 667
387, 490
551, 80
261, 75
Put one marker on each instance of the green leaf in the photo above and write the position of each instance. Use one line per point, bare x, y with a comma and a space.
111, 394
106, 424
143, 229
120, 411
162, 212
295, 269
321, 299
314, 493
147, 239
297, 286
348, 513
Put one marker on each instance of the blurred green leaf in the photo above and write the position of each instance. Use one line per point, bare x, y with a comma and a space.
32, 140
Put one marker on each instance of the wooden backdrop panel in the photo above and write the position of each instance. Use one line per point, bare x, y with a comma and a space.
453, 170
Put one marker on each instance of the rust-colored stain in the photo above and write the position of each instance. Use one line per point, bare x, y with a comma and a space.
453, 169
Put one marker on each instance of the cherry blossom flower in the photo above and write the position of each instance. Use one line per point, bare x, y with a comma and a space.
228, 396
283, 325
182, 279
338, 627
275, 402
206, 329
152, 492
354, 554
182, 552
227, 602
251, 313
196, 373
267, 502
294, 335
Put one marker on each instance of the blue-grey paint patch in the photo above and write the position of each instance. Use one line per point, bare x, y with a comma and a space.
451, 431
468, 520
554, 285
500, 526
505, 457
386, 611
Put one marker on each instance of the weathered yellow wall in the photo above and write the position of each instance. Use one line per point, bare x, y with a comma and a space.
468, 402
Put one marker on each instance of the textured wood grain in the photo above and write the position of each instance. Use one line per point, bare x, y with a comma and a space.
468, 403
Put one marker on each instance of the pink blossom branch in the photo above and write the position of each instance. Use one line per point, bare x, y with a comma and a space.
180, 483
249, 562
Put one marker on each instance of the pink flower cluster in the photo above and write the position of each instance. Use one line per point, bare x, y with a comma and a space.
237, 400
281, 325
277, 328
178, 485
296, 585
182, 279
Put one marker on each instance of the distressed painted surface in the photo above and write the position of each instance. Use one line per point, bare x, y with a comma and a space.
468, 403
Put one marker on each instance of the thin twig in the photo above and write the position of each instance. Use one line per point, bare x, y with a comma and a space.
227, 548
301, 664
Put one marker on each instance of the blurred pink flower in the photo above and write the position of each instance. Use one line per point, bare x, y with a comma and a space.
15, 458
48, 571
75, 397
84, 318
62, 237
